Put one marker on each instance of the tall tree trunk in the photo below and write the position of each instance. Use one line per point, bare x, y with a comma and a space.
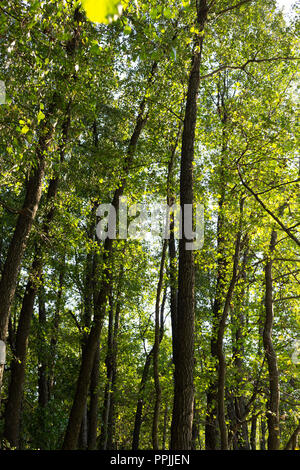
140, 402
111, 414
75, 418
16, 385
164, 441
292, 442
182, 418
21, 233
54, 329
109, 372
141, 392
172, 245
253, 432
43, 357
195, 430
18, 365
31, 203
221, 331
83, 435
238, 321
155, 440
211, 429
262, 434
274, 396
94, 399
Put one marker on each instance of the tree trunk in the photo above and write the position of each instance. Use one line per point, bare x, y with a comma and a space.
31, 203
15, 393
145, 374
75, 418
109, 373
155, 441
165, 427
94, 399
238, 321
292, 442
211, 429
111, 414
182, 419
54, 330
220, 338
274, 397
253, 433
263, 435
21, 233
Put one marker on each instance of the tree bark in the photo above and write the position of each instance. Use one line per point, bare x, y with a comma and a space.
18, 365
155, 440
292, 442
109, 373
220, 352
274, 394
21, 233
141, 392
31, 203
182, 418
75, 418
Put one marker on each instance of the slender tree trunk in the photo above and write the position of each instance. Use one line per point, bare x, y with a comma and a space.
15, 393
164, 441
263, 434
144, 379
111, 414
253, 433
140, 402
172, 245
43, 357
195, 430
155, 440
94, 399
292, 442
83, 435
21, 233
31, 203
238, 321
182, 419
54, 330
75, 418
109, 372
16, 385
274, 397
220, 338
211, 429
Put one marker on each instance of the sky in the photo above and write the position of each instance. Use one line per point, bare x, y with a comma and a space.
285, 3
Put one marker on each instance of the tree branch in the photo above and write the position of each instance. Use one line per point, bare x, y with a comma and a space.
243, 67
286, 229
233, 7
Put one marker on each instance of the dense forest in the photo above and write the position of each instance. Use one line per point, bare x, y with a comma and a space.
163, 341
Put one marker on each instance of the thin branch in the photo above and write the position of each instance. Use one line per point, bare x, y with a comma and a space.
10, 209
243, 67
286, 229
233, 7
